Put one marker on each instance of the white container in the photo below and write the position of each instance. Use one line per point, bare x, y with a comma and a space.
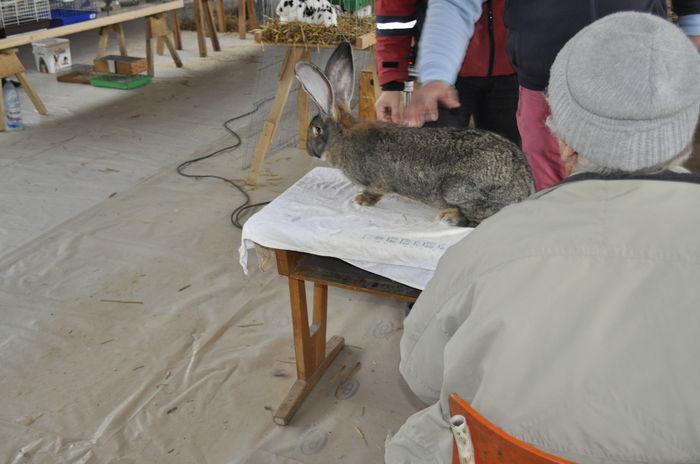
52, 55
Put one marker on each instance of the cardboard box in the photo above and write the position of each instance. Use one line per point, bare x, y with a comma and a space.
52, 55
121, 64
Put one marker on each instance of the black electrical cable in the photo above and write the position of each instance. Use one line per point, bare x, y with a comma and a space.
236, 214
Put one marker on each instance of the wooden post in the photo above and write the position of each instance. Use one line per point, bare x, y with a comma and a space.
221, 15
199, 25
241, 19
252, 17
177, 37
270, 127
209, 25
367, 99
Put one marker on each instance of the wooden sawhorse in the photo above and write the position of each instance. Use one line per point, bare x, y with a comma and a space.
294, 54
10, 65
313, 353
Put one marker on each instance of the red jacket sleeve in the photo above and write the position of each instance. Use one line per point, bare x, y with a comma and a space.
396, 22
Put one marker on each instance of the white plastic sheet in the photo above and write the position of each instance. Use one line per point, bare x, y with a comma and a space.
397, 238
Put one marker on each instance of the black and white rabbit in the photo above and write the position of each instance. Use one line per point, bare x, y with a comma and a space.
307, 11
469, 174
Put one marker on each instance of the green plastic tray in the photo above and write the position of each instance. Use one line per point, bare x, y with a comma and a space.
120, 81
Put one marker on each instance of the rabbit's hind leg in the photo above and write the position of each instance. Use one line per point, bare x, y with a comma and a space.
451, 217
367, 198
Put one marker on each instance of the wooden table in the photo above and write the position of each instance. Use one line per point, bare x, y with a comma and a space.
156, 28
295, 53
313, 353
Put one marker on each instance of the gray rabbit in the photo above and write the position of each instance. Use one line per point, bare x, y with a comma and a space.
469, 174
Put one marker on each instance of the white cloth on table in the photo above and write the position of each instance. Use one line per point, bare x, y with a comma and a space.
397, 238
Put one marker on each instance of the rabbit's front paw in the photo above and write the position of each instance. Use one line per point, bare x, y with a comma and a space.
450, 217
367, 199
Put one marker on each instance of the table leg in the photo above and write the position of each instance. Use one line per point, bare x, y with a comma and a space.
209, 24
177, 37
200, 28
149, 48
252, 17
313, 355
119, 30
241, 19
220, 15
33, 96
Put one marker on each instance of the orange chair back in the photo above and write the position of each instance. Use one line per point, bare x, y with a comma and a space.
492, 445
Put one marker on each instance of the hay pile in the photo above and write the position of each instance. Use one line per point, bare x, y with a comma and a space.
349, 28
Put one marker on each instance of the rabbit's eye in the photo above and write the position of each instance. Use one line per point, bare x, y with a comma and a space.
316, 131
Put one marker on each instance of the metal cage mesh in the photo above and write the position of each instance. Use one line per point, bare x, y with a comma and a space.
19, 12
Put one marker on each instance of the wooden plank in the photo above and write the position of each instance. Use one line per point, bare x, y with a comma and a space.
125, 14
301, 389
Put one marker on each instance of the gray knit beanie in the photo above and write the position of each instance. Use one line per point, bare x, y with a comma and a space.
625, 91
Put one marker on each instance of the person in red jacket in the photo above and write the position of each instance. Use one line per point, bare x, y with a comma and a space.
487, 84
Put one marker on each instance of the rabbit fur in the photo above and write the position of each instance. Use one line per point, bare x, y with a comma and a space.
469, 174
307, 11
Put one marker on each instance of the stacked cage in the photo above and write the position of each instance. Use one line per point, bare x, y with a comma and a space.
17, 16
65, 12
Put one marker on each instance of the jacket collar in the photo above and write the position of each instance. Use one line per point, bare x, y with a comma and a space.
668, 175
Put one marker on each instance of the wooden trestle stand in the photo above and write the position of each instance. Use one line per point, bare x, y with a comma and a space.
295, 53
313, 353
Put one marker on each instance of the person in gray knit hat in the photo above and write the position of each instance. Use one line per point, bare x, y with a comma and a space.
570, 320
632, 107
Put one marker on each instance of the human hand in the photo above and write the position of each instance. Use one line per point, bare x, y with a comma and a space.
424, 102
388, 106
696, 40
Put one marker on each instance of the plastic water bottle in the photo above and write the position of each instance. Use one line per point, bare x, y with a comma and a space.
13, 112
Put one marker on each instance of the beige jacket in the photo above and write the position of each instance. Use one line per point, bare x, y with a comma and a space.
571, 321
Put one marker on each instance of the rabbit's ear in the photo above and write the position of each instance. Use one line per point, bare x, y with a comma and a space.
316, 85
340, 71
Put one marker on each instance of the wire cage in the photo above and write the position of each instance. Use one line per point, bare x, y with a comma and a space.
17, 16
65, 12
